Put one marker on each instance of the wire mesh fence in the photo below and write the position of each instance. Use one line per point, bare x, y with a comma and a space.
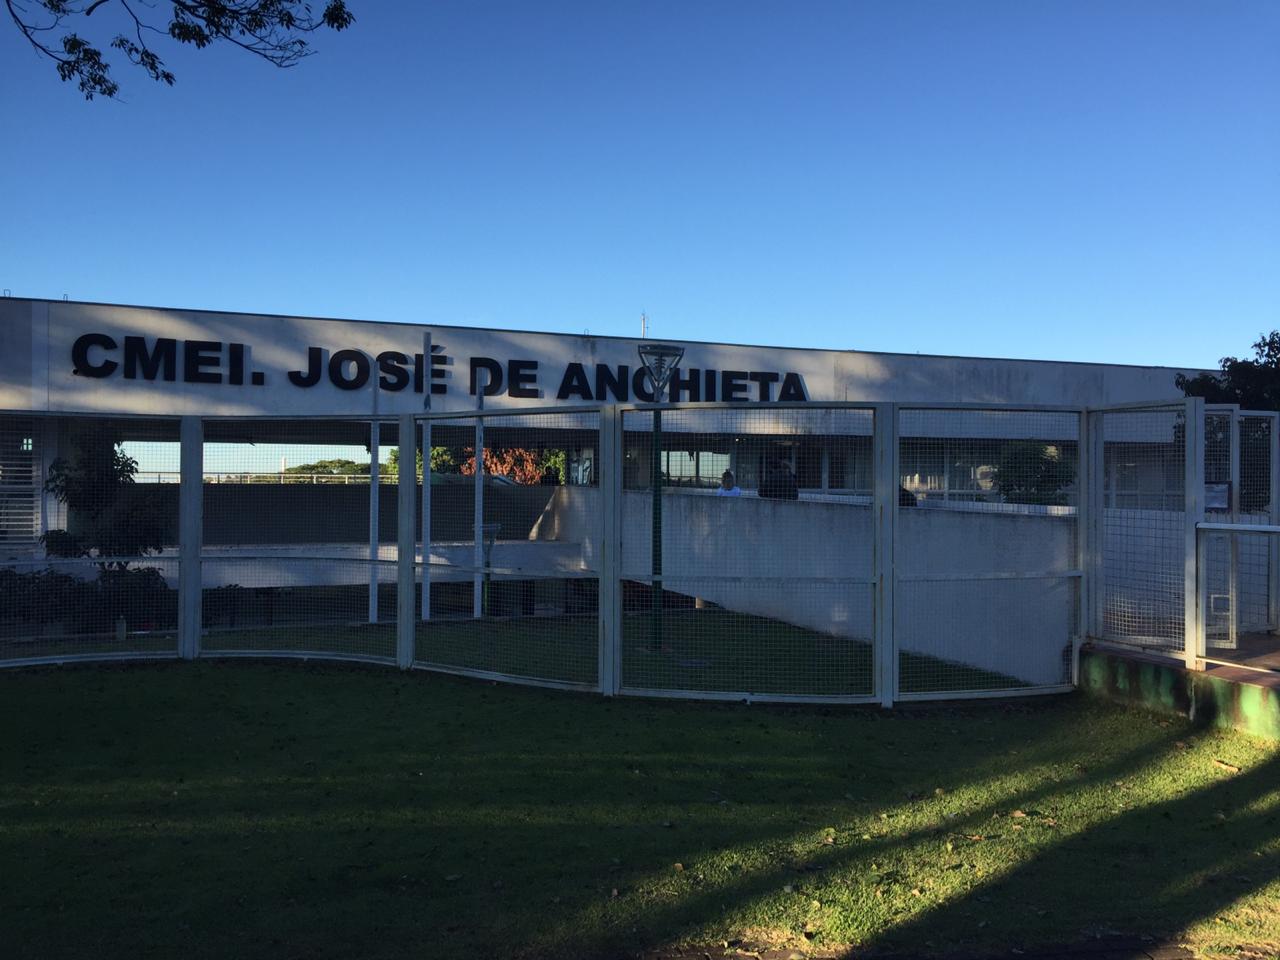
88, 561
298, 568
987, 550
746, 552
1144, 526
1231, 635
735, 551
510, 581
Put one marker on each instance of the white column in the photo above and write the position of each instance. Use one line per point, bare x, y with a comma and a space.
1084, 537
406, 489
426, 520
190, 534
884, 513
1273, 517
477, 579
1092, 527
609, 550
1233, 561
1193, 632
374, 429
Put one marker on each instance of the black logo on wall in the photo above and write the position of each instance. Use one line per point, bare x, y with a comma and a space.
169, 360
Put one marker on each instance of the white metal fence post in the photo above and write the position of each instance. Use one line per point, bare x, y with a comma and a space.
1193, 448
1085, 540
406, 488
190, 535
1273, 518
477, 580
885, 517
374, 430
1096, 529
426, 519
609, 550
1233, 547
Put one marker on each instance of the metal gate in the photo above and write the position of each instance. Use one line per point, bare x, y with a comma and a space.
1145, 495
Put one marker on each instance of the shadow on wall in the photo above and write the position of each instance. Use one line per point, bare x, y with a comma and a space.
809, 563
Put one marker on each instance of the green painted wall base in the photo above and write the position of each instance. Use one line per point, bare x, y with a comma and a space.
1166, 687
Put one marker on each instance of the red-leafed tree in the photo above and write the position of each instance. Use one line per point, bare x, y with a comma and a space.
518, 463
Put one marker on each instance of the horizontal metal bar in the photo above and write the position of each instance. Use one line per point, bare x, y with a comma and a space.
1150, 646
1237, 528
55, 659
987, 694
743, 697
511, 571
86, 561
643, 577
297, 655
1174, 406
962, 577
491, 412
432, 667
1242, 666
308, 558
641, 407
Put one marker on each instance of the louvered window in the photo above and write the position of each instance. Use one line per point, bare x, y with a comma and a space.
19, 482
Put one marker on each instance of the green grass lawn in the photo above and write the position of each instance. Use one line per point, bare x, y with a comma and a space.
287, 810
700, 650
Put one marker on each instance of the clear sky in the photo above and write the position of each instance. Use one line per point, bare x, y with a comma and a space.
1061, 180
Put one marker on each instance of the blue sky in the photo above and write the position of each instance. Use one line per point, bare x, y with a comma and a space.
1060, 180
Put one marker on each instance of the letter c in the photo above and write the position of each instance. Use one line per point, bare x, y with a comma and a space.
80, 356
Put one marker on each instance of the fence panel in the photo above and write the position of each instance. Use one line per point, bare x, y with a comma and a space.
1251, 647
88, 555
1144, 526
765, 592
512, 561
290, 568
986, 558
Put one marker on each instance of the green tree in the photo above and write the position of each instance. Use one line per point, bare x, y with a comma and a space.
105, 518
1254, 384
1030, 471
273, 30
110, 521
442, 461
337, 467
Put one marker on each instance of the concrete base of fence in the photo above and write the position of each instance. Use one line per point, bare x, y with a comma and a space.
1225, 697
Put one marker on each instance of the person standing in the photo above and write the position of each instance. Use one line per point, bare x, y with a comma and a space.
728, 485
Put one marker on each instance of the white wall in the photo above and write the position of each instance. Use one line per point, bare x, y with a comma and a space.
790, 556
37, 337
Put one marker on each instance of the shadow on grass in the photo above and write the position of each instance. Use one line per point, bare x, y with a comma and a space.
1109, 873
314, 811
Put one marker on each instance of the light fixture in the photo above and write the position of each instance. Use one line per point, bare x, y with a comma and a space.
660, 361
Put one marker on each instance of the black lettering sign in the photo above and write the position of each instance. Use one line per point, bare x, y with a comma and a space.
607, 384
162, 360
574, 384
235, 364
640, 384
690, 386
522, 379
338, 369
493, 383
198, 354
80, 364
393, 375
315, 366
766, 380
793, 388
733, 385
441, 361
